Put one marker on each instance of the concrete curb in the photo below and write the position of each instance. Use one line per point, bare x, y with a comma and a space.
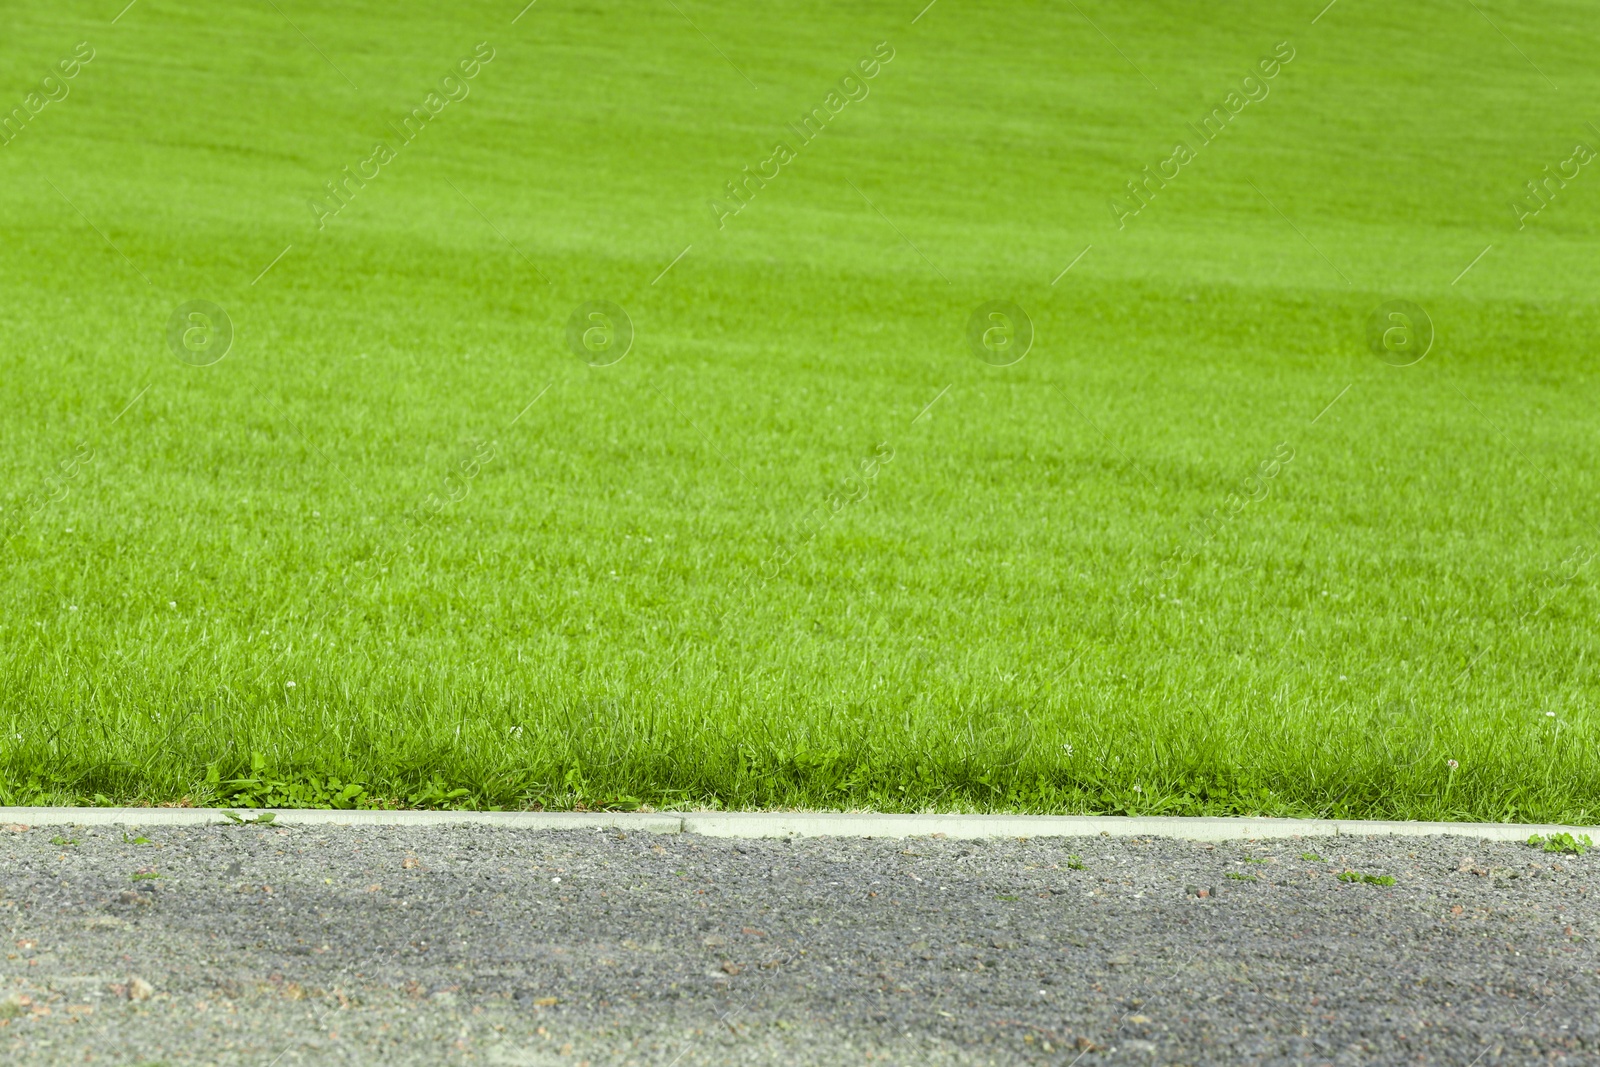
770, 824
511, 820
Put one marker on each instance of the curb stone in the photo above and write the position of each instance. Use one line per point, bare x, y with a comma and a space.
777, 824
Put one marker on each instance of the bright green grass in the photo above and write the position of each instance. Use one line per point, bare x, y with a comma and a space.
645, 594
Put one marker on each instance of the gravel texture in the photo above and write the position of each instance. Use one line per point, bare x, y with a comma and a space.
432, 945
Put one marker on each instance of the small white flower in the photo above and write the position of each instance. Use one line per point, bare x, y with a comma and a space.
288, 685
1342, 678
1136, 789
74, 607
1067, 749
1452, 764
555, 879
172, 603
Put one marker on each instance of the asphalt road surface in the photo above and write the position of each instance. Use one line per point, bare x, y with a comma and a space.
435, 945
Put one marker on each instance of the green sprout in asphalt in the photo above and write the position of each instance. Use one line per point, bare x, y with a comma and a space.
239, 820
1562, 842
1370, 879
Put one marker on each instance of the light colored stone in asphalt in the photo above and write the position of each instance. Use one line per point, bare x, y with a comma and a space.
782, 824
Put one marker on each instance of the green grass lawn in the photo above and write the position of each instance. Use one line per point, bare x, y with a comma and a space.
1202, 549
